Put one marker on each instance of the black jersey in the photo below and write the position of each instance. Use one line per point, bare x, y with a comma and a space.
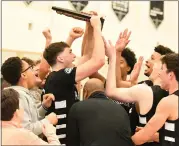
158, 94
169, 135
62, 84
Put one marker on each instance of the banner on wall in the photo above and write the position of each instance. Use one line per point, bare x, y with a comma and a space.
79, 5
27, 3
120, 8
157, 12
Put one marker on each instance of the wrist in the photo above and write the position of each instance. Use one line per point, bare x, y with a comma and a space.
71, 38
112, 58
119, 50
97, 28
45, 108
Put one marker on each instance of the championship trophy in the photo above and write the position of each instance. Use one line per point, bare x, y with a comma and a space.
75, 15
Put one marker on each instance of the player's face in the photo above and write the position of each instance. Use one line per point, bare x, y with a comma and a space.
124, 66
156, 70
149, 63
68, 57
165, 77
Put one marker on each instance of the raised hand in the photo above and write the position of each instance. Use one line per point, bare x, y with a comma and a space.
47, 34
136, 70
95, 22
123, 40
76, 32
109, 48
47, 100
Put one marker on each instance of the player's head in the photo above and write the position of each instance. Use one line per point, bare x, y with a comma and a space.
127, 61
170, 70
158, 52
18, 72
59, 53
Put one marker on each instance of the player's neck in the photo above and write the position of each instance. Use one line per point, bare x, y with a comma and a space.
57, 67
157, 82
173, 87
124, 77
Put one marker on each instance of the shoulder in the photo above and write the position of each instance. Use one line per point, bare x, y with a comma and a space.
167, 102
140, 88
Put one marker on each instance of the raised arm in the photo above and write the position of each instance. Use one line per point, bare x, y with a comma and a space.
120, 45
44, 66
75, 33
121, 94
98, 56
88, 41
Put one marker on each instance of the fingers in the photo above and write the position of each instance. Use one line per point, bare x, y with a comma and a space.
128, 36
104, 40
78, 30
110, 43
93, 13
141, 59
49, 97
125, 33
120, 36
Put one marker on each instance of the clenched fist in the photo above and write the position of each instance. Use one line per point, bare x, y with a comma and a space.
76, 32
47, 34
47, 100
95, 21
52, 118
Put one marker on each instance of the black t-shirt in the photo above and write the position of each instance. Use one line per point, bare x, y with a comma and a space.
62, 84
98, 121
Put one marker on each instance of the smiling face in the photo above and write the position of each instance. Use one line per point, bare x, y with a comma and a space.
149, 63
28, 75
124, 67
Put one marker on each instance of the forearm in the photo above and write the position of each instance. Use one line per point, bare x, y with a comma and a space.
98, 76
70, 40
99, 51
35, 127
42, 111
43, 69
118, 70
88, 42
48, 42
111, 76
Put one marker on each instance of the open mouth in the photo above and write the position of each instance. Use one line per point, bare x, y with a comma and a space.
147, 67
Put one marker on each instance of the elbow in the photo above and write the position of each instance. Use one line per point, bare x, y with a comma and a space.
100, 62
109, 92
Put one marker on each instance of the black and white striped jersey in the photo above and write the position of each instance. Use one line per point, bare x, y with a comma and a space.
169, 135
158, 94
62, 84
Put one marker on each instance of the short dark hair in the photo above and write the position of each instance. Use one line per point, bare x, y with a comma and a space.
172, 63
9, 103
29, 61
37, 62
163, 50
11, 70
4, 84
51, 52
130, 58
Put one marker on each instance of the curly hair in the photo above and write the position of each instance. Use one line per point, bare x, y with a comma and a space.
130, 58
11, 70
